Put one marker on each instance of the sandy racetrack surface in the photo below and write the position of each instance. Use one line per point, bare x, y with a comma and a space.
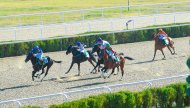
16, 81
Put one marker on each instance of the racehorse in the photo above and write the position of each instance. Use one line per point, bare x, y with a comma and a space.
99, 52
109, 64
37, 67
159, 46
78, 57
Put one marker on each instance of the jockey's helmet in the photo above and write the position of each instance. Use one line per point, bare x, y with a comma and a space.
78, 43
160, 30
99, 39
36, 47
108, 45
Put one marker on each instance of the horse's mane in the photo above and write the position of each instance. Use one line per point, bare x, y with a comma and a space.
155, 36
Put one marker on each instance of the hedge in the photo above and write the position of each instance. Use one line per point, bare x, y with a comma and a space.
173, 95
114, 38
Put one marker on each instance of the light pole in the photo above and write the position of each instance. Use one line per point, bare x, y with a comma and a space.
128, 5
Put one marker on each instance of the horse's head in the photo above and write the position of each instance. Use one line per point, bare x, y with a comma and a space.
28, 56
155, 35
95, 48
69, 49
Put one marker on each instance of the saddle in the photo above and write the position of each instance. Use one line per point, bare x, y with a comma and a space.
163, 40
83, 55
45, 61
116, 58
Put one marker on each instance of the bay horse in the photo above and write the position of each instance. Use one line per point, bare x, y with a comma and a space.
109, 64
78, 58
37, 67
159, 46
99, 52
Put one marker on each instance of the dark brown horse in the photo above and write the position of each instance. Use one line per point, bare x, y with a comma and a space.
159, 46
78, 58
110, 64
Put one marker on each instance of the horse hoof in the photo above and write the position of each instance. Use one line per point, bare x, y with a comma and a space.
164, 59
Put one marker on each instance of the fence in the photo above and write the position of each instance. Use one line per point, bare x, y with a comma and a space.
91, 89
92, 14
73, 28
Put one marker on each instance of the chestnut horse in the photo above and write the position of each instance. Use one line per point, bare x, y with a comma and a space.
160, 46
109, 64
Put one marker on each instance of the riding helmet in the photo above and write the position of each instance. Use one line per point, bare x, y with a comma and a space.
99, 39
78, 43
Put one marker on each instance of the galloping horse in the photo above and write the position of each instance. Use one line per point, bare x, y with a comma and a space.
37, 67
159, 45
109, 64
78, 58
99, 52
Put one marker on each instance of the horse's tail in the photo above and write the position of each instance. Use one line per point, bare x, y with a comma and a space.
129, 58
126, 57
57, 61
91, 56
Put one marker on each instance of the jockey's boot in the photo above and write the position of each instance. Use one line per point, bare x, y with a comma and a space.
114, 60
42, 62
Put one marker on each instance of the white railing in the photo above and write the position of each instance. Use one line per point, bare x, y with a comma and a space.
92, 89
91, 34
70, 29
65, 16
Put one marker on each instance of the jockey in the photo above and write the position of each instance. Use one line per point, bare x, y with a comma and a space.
104, 45
38, 53
162, 32
81, 49
163, 36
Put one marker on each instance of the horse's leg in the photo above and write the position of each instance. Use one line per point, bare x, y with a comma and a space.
154, 54
33, 73
103, 71
122, 64
70, 67
122, 73
112, 72
91, 62
95, 67
163, 54
173, 48
48, 67
99, 68
115, 73
171, 44
78, 69
42, 72
169, 49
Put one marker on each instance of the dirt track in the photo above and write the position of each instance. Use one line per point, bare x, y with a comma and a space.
16, 82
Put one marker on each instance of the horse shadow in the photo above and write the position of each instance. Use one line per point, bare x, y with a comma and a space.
16, 87
83, 79
150, 61
86, 85
75, 80
142, 62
